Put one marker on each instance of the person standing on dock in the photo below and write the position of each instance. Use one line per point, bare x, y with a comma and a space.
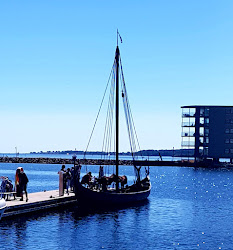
23, 181
68, 179
17, 185
62, 181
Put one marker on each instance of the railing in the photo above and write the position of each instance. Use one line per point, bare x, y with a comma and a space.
188, 124
188, 143
190, 134
189, 114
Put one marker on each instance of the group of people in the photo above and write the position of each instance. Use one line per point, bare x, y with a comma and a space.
21, 181
68, 177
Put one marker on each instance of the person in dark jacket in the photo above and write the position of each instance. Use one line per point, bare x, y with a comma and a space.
23, 181
68, 179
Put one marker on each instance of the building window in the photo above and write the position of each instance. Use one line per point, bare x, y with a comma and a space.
227, 131
231, 131
207, 140
231, 151
202, 120
228, 121
207, 131
228, 111
227, 141
207, 111
202, 112
206, 151
227, 151
231, 140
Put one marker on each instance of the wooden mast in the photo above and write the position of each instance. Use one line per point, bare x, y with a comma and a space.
117, 116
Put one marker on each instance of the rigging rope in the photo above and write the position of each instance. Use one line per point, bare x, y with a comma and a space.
98, 113
110, 128
106, 147
133, 138
129, 118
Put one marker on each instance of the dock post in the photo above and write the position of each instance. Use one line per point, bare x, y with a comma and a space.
61, 189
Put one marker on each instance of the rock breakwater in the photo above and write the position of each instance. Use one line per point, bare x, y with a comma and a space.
42, 160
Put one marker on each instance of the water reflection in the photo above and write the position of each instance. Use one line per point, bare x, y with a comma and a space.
14, 231
73, 226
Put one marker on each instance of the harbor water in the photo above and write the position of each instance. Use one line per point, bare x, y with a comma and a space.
188, 209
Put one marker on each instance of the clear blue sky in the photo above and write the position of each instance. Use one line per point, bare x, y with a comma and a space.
56, 57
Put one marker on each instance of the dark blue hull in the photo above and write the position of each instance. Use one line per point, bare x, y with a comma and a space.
109, 198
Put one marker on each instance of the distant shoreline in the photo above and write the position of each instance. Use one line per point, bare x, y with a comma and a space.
163, 152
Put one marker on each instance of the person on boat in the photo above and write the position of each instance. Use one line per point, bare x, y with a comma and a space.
86, 178
23, 181
103, 183
93, 182
123, 180
76, 174
101, 171
72, 178
67, 179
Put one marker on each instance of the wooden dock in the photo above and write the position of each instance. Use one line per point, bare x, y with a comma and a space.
37, 202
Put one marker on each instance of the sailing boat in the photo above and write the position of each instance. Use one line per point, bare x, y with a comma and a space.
98, 192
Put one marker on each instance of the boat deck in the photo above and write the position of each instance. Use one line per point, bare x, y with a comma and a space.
37, 202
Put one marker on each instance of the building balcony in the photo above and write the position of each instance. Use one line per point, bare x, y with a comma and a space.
188, 144
188, 124
191, 134
193, 124
188, 114
187, 134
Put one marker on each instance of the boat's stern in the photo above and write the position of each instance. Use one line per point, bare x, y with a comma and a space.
2, 207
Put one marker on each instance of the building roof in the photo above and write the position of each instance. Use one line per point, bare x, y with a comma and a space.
206, 106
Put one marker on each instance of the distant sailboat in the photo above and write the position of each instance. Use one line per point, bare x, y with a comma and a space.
98, 192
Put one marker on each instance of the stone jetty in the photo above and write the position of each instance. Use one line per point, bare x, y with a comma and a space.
181, 163
42, 160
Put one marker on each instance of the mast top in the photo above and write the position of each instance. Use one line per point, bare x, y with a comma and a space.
118, 36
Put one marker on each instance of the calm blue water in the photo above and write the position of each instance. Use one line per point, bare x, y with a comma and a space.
188, 209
